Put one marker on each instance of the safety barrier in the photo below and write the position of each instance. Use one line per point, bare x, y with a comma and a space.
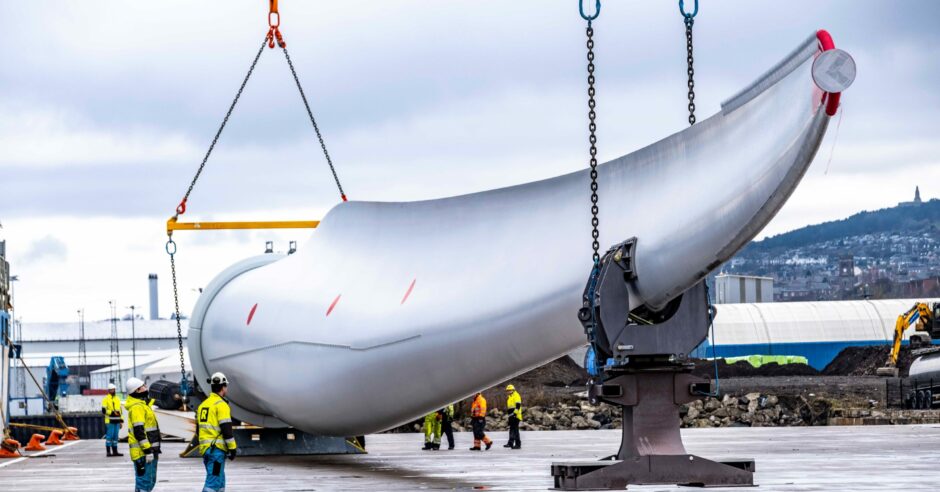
89, 425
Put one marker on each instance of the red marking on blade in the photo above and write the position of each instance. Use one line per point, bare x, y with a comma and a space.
408, 293
251, 314
333, 305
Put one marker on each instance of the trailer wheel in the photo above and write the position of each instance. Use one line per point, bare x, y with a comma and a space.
918, 399
928, 400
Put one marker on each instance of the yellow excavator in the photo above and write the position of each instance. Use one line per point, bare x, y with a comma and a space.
924, 318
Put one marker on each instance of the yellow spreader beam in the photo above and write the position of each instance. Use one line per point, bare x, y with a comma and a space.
174, 225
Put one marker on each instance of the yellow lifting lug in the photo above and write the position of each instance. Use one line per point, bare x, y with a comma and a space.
173, 225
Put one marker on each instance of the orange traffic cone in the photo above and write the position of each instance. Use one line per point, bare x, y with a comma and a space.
71, 435
54, 438
35, 443
8, 448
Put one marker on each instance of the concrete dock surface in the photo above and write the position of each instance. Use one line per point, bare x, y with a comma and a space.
851, 458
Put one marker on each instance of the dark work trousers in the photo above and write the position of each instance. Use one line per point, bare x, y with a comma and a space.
514, 440
478, 424
448, 431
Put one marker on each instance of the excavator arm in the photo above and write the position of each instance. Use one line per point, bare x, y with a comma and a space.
918, 315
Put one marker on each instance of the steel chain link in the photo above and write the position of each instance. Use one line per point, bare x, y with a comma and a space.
592, 126
184, 385
314, 122
691, 70
218, 133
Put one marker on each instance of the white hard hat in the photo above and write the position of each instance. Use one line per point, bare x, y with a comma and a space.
218, 378
133, 384
111, 386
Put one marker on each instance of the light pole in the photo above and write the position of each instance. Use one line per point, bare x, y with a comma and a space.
83, 375
13, 280
133, 339
17, 335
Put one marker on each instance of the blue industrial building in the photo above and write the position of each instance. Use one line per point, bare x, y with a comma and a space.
815, 330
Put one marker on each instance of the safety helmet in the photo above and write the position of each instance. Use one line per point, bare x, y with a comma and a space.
218, 378
510, 388
111, 386
133, 384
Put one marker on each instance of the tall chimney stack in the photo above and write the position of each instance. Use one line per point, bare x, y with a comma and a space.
154, 303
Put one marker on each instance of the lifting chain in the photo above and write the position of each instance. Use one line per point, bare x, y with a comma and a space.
273, 35
184, 383
689, 19
590, 355
313, 121
592, 127
181, 209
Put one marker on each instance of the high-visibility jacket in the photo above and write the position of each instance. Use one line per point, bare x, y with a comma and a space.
143, 432
432, 427
479, 407
514, 404
111, 408
215, 424
449, 412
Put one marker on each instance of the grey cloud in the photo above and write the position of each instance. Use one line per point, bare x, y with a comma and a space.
371, 73
48, 248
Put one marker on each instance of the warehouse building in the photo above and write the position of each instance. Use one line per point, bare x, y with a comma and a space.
144, 344
815, 330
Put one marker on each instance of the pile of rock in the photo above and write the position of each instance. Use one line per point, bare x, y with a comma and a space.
561, 416
750, 410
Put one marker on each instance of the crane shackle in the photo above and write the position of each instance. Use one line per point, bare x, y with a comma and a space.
274, 14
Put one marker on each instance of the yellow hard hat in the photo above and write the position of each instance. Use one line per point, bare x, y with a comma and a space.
510, 388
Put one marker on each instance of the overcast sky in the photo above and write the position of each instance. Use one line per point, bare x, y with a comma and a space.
106, 109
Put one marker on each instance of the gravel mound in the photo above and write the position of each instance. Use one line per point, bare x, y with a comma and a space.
865, 361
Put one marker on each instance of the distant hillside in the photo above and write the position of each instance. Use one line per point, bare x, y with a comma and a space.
905, 220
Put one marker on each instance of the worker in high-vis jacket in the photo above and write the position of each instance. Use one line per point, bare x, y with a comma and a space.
216, 437
143, 435
514, 407
432, 431
478, 422
111, 408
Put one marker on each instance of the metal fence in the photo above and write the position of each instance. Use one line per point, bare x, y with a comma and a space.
901, 392
896, 391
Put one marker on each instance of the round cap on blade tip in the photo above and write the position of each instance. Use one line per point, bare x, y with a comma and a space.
834, 70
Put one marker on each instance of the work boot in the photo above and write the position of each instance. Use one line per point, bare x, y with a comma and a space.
426, 447
450, 448
109, 451
475, 448
489, 445
507, 445
436, 446
517, 446
115, 452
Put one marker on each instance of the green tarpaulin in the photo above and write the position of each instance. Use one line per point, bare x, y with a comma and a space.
759, 360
